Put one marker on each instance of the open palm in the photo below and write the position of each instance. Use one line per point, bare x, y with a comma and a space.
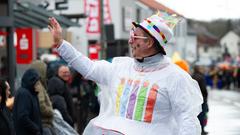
56, 30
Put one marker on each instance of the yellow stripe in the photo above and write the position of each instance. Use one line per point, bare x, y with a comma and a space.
119, 94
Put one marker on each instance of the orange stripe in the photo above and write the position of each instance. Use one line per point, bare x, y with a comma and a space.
151, 103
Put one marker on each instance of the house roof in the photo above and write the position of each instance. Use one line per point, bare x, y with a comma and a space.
158, 6
205, 40
204, 37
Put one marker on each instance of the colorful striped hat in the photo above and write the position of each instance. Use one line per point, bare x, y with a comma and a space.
159, 26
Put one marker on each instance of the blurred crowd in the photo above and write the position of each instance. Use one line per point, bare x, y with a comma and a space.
53, 99
223, 77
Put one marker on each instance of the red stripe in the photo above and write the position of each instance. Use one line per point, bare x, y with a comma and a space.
163, 36
151, 103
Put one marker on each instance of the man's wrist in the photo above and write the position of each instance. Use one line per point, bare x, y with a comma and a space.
59, 43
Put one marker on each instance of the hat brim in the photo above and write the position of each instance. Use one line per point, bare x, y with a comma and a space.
145, 30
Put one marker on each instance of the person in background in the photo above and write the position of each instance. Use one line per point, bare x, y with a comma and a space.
60, 94
10, 102
184, 65
26, 110
44, 100
6, 120
143, 95
199, 77
9, 97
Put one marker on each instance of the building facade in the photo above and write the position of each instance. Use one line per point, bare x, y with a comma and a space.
230, 43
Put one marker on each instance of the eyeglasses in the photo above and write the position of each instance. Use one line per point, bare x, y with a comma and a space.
132, 36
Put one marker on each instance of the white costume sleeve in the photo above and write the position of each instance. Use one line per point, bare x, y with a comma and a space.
98, 71
186, 100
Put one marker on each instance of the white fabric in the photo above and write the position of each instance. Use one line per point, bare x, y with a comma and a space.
155, 97
60, 126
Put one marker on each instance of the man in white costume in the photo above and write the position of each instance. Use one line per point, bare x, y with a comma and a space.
143, 95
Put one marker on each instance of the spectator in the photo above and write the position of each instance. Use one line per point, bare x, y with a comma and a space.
26, 110
6, 121
58, 90
44, 100
199, 77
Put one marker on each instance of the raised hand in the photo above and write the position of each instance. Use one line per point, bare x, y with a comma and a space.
56, 31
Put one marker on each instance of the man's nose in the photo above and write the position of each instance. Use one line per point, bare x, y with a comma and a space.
130, 41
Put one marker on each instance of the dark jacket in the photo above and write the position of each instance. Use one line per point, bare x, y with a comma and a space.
44, 100
199, 77
26, 110
57, 86
60, 104
6, 121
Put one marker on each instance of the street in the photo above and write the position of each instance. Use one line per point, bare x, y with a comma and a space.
224, 113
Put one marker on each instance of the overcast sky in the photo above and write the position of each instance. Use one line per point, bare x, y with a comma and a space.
205, 10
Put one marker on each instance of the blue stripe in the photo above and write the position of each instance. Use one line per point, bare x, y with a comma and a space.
124, 99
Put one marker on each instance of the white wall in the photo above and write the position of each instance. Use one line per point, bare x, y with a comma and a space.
144, 11
116, 9
212, 53
170, 49
79, 39
74, 6
191, 48
231, 41
179, 41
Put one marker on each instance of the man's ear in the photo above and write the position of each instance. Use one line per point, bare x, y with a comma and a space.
150, 42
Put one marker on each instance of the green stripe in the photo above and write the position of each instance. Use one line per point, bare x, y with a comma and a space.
165, 41
140, 103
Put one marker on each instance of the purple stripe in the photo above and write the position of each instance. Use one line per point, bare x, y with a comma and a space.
124, 98
132, 100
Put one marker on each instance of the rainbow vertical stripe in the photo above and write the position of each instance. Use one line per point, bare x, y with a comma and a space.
141, 101
132, 99
119, 94
152, 96
124, 98
135, 102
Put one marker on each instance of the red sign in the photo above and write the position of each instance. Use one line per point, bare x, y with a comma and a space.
107, 13
24, 48
94, 51
92, 10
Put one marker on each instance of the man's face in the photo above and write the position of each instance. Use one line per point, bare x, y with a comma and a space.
137, 42
64, 73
